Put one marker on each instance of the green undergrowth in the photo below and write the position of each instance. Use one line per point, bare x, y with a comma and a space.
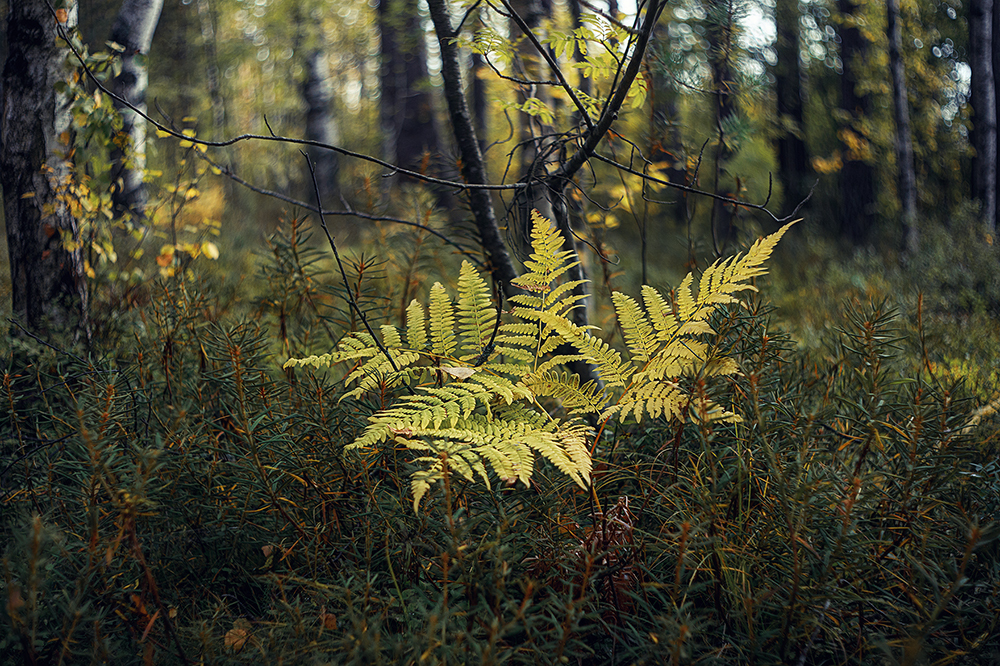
180, 498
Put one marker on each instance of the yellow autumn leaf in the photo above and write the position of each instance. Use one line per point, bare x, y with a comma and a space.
210, 250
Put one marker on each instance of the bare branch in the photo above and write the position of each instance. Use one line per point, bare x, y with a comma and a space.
343, 273
273, 137
228, 173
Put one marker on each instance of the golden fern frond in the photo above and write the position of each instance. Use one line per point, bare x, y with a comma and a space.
505, 440
442, 322
637, 329
547, 261
660, 314
651, 399
476, 314
353, 347
565, 387
612, 369
724, 278
416, 326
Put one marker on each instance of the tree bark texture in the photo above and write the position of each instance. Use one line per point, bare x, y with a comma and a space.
906, 175
407, 108
133, 30
49, 291
857, 176
984, 110
792, 154
473, 168
321, 126
719, 28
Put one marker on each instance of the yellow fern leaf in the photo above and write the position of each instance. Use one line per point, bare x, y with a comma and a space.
442, 322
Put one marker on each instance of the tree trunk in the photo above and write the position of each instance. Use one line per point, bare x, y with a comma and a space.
407, 108
719, 32
857, 176
473, 169
321, 126
49, 291
133, 30
905, 171
665, 144
984, 110
792, 154
531, 129
479, 104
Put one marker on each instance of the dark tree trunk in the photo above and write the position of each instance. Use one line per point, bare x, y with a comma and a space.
473, 169
984, 110
792, 154
906, 172
719, 32
133, 30
49, 291
407, 108
321, 126
857, 176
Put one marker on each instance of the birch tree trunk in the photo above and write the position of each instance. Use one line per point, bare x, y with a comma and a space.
49, 291
133, 30
906, 176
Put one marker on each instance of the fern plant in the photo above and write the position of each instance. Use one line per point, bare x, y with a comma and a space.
477, 384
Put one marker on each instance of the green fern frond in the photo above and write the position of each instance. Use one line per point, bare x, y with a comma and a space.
637, 329
442, 322
416, 326
476, 314
566, 388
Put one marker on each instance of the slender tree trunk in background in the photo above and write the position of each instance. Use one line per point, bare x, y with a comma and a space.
498, 260
479, 105
49, 290
792, 154
321, 126
133, 30
857, 176
991, 225
665, 142
719, 26
407, 109
906, 175
531, 128
984, 110
206, 17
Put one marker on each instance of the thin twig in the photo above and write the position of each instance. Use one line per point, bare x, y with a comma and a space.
343, 273
694, 190
226, 171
